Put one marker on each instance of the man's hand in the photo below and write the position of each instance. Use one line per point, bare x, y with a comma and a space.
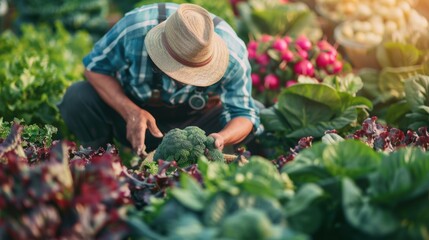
137, 123
219, 141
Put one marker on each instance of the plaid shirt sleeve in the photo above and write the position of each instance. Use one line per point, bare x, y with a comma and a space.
121, 50
107, 55
236, 84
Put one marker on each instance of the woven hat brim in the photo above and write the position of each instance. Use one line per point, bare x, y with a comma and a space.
197, 76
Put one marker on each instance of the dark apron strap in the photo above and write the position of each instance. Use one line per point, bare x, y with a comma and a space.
162, 12
216, 21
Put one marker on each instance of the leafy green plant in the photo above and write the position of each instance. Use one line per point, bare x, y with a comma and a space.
35, 70
361, 192
75, 15
274, 18
234, 202
308, 109
399, 61
413, 111
34, 134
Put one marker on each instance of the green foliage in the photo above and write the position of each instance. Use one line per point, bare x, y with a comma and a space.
236, 202
247, 224
186, 146
40, 136
274, 18
310, 109
35, 70
221, 8
394, 54
417, 96
385, 87
413, 111
75, 15
361, 214
367, 194
349, 83
332, 160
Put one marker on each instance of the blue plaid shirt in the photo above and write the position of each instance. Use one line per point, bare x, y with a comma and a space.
121, 53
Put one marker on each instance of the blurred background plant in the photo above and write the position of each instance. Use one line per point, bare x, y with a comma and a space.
89, 15
400, 57
275, 17
221, 8
35, 70
279, 62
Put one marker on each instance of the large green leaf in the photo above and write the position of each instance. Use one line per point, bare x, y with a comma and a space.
317, 92
395, 54
273, 120
417, 91
402, 175
302, 112
350, 101
191, 194
318, 129
305, 196
370, 89
305, 104
391, 81
395, 115
260, 177
363, 215
302, 212
349, 158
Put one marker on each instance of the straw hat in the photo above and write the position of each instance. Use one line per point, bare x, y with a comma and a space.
187, 49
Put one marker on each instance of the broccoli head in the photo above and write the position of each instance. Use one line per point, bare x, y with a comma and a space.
186, 145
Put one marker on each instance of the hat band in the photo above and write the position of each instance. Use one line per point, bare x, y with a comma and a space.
180, 59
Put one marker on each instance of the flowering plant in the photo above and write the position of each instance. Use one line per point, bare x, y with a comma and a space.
278, 62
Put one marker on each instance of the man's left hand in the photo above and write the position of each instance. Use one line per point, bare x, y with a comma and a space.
219, 140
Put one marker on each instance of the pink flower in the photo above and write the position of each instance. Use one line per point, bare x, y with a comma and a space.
288, 39
252, 45
324, 59
266, 38
256, 80
302, 53
303, 42
287, 55
291, 83
325, 45
335, 67
271, 81
304, 67
280, 44
263, 59
252, 54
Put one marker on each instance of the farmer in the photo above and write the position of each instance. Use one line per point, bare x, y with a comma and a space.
147, 76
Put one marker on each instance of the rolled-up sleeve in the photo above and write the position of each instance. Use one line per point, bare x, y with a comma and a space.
107, 55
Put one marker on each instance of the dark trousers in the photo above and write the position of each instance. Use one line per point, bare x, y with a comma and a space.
95, 124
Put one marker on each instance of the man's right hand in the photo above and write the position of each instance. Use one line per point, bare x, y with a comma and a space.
137, 119
137, 123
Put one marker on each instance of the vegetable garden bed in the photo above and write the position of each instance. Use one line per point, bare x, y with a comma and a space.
343, 155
